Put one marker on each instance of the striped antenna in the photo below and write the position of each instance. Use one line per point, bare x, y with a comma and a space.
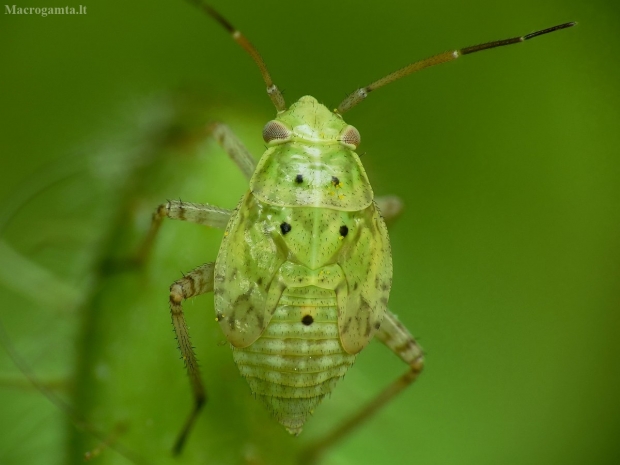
272, 90
360, 94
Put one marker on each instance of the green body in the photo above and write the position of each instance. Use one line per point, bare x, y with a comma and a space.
303, 275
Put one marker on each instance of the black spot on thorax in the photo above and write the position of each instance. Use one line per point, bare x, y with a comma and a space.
307, 320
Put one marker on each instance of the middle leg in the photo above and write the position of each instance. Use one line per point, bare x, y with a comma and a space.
207, 215
204, 214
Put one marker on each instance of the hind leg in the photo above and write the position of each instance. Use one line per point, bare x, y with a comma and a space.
400, 341
199, 281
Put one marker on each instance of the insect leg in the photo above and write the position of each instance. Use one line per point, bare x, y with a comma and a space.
199, 281
233, 147
390, 206
206, 215
398, 339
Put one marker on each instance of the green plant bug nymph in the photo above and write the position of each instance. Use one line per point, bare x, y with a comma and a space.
304, 271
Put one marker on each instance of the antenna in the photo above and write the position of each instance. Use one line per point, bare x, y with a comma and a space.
360, 94
272, 90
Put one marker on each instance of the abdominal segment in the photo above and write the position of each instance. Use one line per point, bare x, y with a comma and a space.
299, 358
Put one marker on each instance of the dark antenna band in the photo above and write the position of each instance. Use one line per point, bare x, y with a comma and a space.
272, 90
360, 94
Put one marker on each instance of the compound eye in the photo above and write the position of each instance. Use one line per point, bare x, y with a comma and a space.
274, 130
351, 136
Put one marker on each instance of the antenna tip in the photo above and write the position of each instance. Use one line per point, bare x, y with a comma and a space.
569, 24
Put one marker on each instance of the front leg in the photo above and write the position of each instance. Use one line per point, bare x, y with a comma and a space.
390, 207
233, 147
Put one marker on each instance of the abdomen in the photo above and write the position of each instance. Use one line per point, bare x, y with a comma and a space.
298, 359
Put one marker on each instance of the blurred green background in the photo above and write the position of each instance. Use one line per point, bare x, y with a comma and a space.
506, 261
